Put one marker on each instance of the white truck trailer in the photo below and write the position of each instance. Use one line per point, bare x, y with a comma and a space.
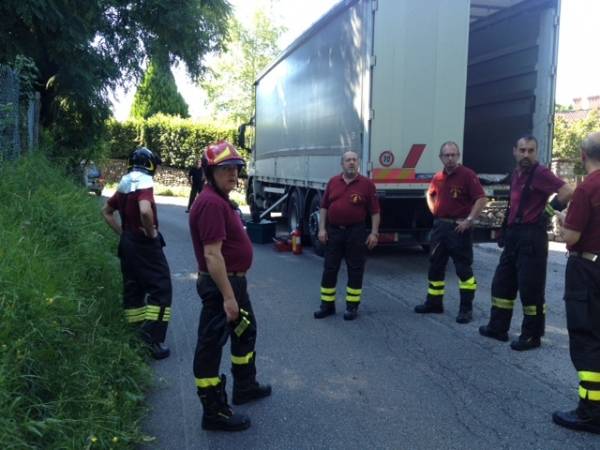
393, 80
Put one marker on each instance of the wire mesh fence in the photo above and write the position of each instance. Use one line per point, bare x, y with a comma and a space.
19, 116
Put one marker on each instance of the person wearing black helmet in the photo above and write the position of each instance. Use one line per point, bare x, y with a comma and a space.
224, 254
147, 290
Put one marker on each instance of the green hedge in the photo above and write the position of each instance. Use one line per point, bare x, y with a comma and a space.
178, 141
72, 375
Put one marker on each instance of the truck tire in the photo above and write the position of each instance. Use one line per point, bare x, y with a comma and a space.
313, 224
295, 209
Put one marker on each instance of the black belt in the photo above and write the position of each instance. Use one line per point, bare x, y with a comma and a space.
443, 219
346, 227
586, 255
229, 274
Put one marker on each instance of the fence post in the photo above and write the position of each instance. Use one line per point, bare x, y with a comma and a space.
33, 119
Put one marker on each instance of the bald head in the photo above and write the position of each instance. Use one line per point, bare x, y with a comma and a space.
590, 147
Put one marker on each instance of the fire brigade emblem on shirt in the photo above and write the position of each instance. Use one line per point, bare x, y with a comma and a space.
355, 198
455, 191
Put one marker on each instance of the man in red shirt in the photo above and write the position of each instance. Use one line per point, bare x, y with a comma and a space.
224, 254
522, 266
581, 231
348, 200
455, 198
147, 291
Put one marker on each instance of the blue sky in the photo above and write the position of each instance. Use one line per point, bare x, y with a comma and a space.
578, 72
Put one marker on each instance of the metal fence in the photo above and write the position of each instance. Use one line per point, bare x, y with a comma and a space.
19, 117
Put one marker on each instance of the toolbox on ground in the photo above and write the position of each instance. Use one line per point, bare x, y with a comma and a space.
261, 233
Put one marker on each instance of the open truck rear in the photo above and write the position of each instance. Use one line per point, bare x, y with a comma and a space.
392, 80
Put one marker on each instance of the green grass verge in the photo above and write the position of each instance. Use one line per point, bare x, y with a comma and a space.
72, 376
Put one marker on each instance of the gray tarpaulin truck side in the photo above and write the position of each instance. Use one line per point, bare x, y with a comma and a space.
393, 80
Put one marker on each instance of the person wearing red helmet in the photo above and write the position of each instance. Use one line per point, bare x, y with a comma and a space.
224, 254
147, 290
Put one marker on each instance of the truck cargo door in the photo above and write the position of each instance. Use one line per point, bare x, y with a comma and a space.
510, 81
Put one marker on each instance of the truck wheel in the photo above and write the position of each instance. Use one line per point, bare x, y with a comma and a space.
313, 224
294, 211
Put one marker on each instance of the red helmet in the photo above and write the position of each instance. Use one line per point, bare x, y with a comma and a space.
221, 153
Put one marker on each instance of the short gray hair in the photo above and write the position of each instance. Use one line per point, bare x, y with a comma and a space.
449, 143
344, 154
591, 146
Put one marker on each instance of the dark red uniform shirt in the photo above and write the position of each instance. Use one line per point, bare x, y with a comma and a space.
543, 184
212, 219
454, 194
584, 214
349, 203
128, 206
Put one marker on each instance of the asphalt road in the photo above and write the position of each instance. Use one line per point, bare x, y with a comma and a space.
390, 380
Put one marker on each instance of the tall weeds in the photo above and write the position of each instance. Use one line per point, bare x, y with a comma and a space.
72, 376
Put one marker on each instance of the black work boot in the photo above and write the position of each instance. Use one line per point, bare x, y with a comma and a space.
326, 309
487, 331
430, 307
247, 392
582, 418
217, 412
159, 350
524, 343
245, 386
351, 312
465, 313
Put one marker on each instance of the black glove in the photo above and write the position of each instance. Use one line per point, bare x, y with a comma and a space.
556, 204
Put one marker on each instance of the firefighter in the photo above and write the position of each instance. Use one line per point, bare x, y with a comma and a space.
522, 265
455, 198
224, 254
581, 232
348, 200
147, 288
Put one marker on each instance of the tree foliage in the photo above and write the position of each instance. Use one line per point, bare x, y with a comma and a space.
158, 93
569, 135
83, 49
229, 83
563, 108
178, 141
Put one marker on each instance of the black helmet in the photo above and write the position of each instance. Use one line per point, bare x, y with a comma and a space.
143, 160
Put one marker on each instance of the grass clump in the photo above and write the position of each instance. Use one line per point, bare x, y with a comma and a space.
72, 376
